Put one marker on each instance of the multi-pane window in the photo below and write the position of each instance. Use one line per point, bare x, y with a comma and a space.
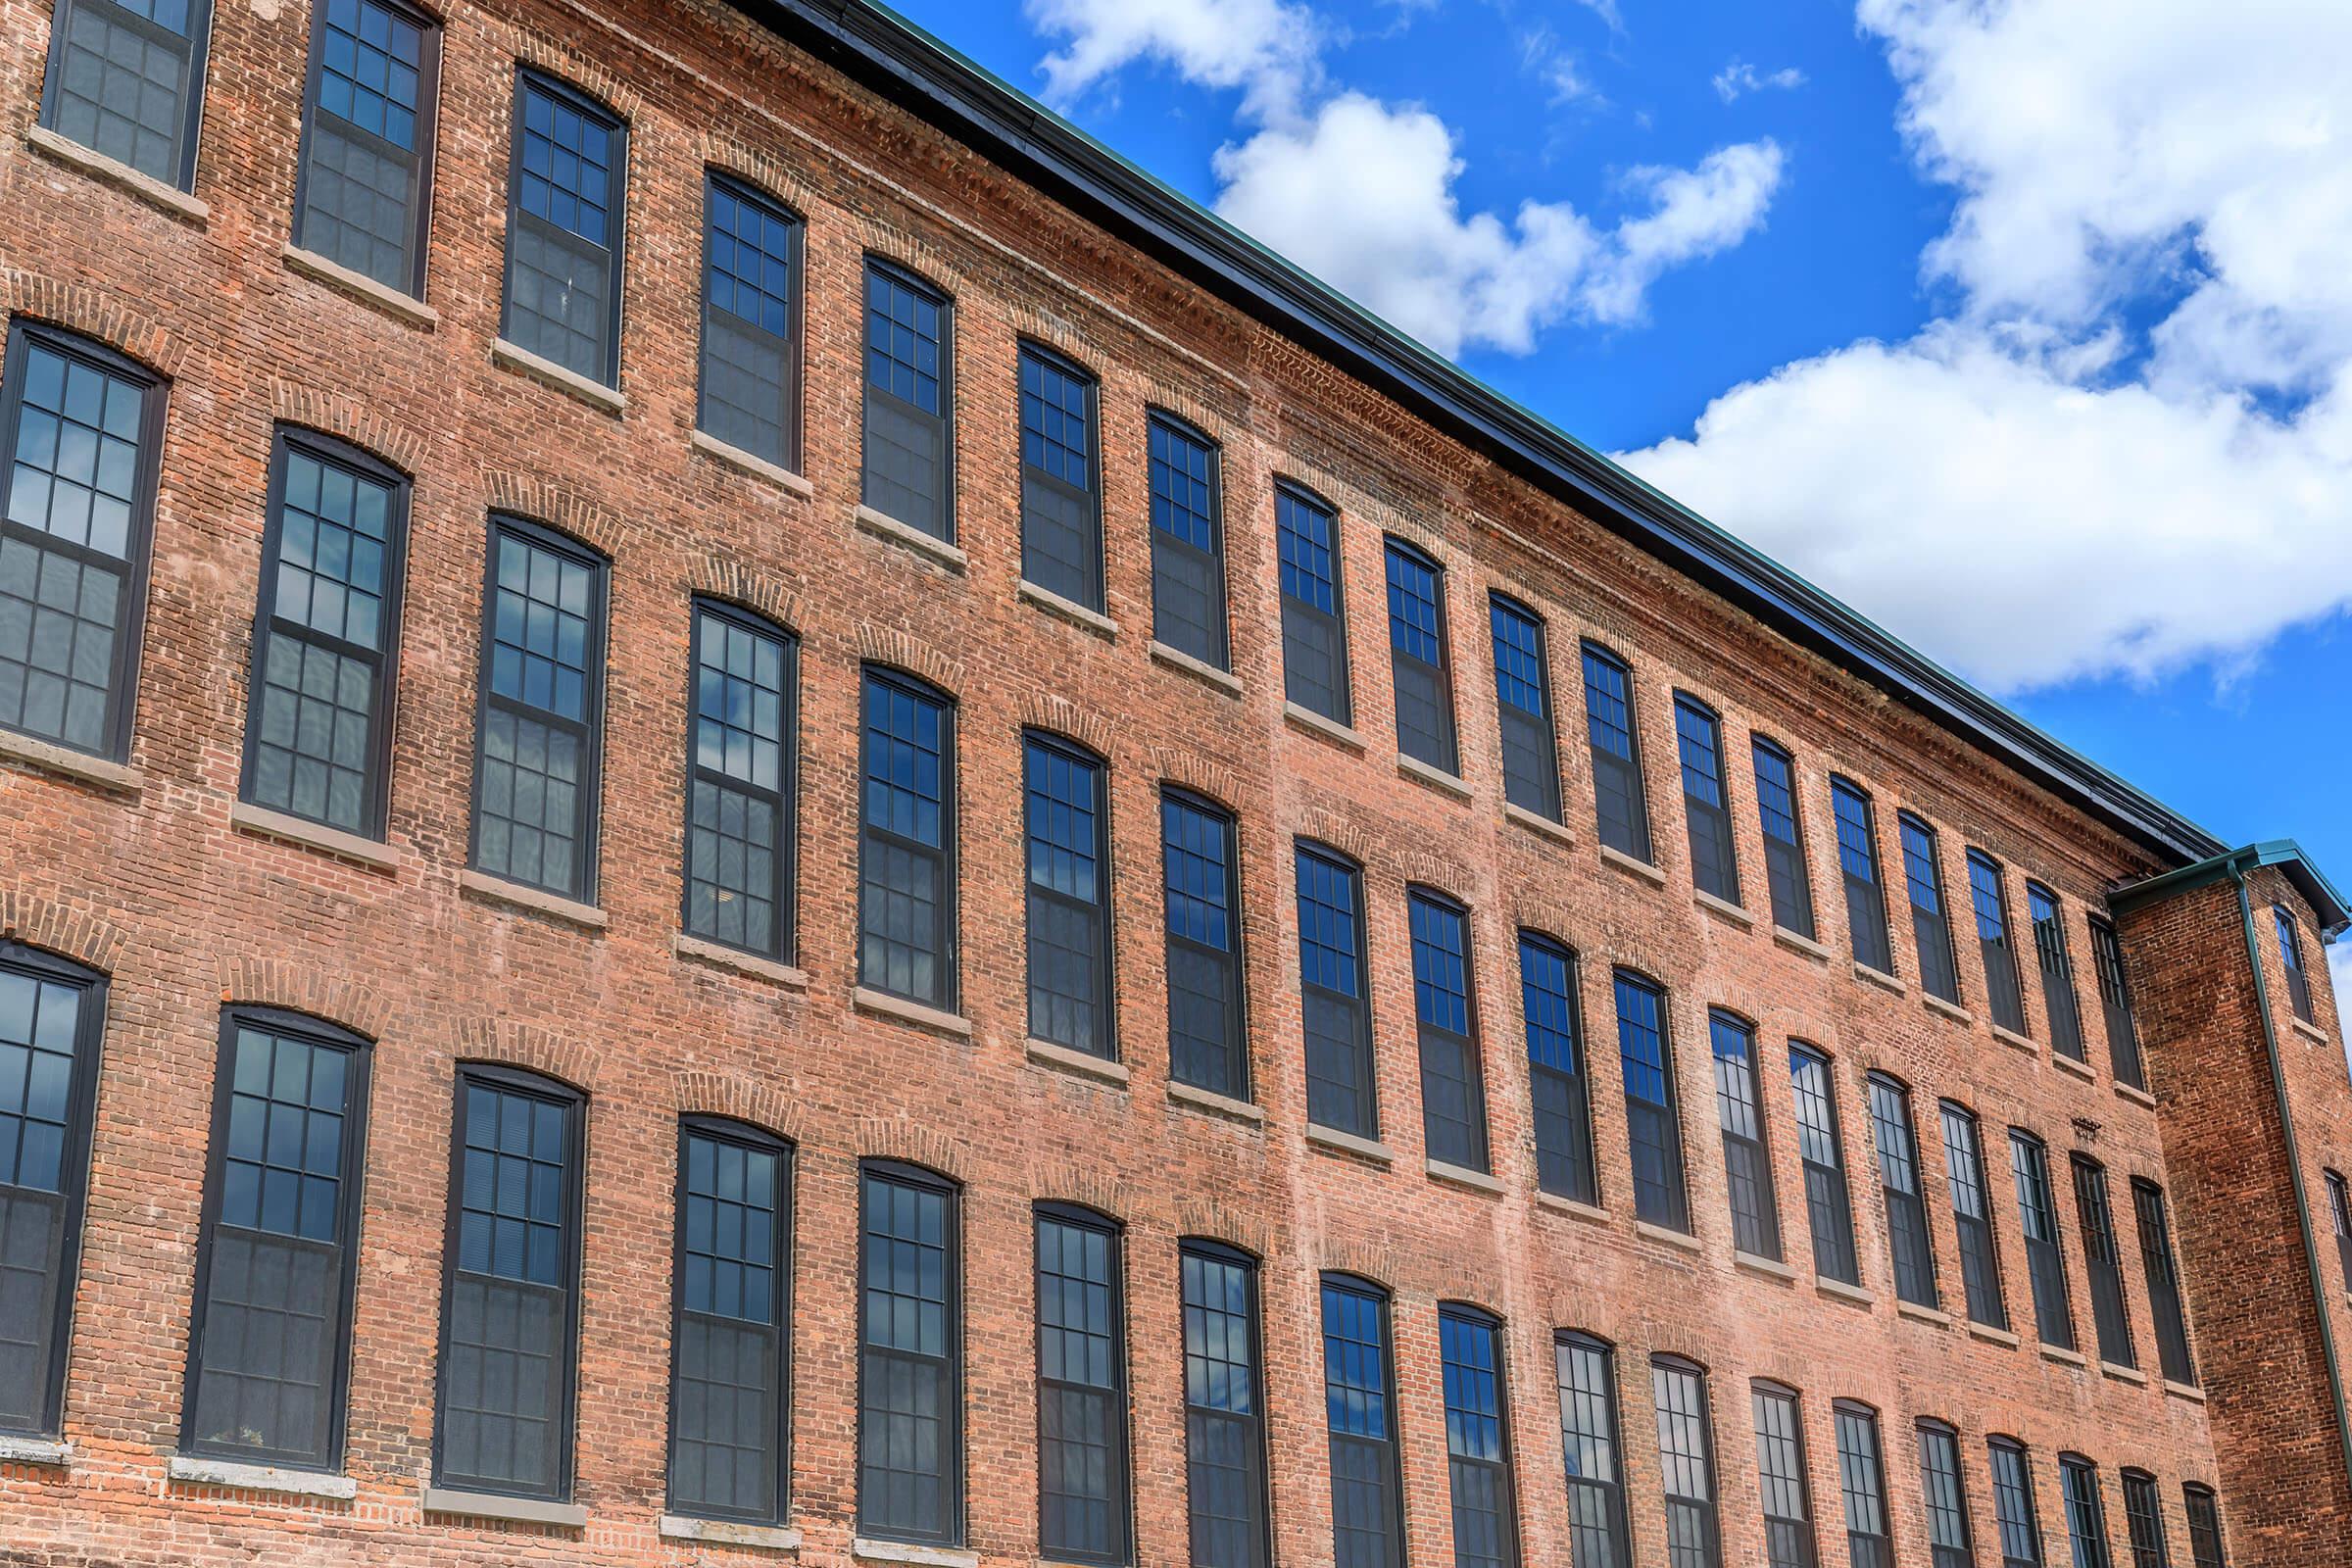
1454, 1100
1224, 1410
1478, 1458
1899, 1180
1367, 1498
2013, 1504
751, 366
2291, 958
362, 200
2001, 989
1595, 1474
1531, 748
1858, 865
2115, 1002
510, 1308
2339, 1213
1188, 543
1314, 636
2037, 1218
1931, 922
82, 428
1556, 1067
1946, 1499
1706, 805
1828, 1208
1207, 1047
50, 1017
2143, 1518
728, 1367
2102, 1259
1061, 516
538, 767
909, 462
319, 726
563, 225
126, 80
739, 825
1081, 1389
1862, 1480
906, 870
1335, 1009
1781, 1477
2204, 1527
1686, 1464
1069, 895
2057, 971
2086, 1513
1620, 807
1652, 1127
910, 1364
1972, 1218
1784, 870
2164, 1303
1746, 1169
1417, 658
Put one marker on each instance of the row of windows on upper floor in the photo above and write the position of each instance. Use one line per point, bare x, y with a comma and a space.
270, 1338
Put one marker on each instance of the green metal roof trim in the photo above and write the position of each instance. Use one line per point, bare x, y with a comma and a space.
882, 49
2285, 854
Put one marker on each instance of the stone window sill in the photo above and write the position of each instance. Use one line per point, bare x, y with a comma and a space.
1934, 1316
1879, 978
882, 1005
2138, 1096
1771, 1268
405, 309
1800, 944
1722, 908
1950, 1010
2184, 1391
1330, 729
515, 357
1625, 862
67, 763
1591, 1213
882, 525
1672, 1238
1437, 779
1477, 1181
1217, 1105
1338, 1142
190, 1470
1992, 1336
1839, 1290
2310, 1031
750, 463
1069, 610
498, 889
47, 1452
2015, 1041
1078, 1063
2066, 1063
720, 954
868, 1549
2063, 1356
729, 1533
1537, 823
166, 198
1200, 670
2123, 1374
451, 1503
263, 822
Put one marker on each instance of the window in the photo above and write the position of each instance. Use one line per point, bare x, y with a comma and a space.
739, 782
1081, 1389
1224, 1410
538, 765
910, 1365
1478, 1457
1207, 1046
2085, 1514
1686, 1464
563, 224
1548, 998
1972, 1218
2013, 1504
1367, 1506
751, 371
1314, 636
1331, 978
1747, 1170
2001, 989
1945, 1498
2103, 1261
2165, 1304
364, 197
2037, 1216
2290, 956
1069, 896
1061, 514
2204, 1527
83, 426
2057, 971
1531, 749
1898, 1179
2339, 1209
1622, 812
1858, 859
1784, 872
1188, 543
1931, 925
126, 80
509, 1294
729, 1365
1651, 1123
1453, 1101
1588, 1383
1862, 1479
908, 466
907, 919
326, 634
1828, 1208
2115, 1000
1417, 657
1780, 1475
1706, 805
51, 1013
2143, 1516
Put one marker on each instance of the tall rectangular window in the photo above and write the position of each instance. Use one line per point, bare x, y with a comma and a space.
1862, 1480
564, 221
2143, 1516
1829, 1206
1620, 807
1081, 1389
1899, 1180
1858, 862
1781, 1477
1972, 1218
2037, 1218
1706, 804
1207, 1046
1314, 634
83, 426
739, 782
1530, 748
2013, 1504
1367, 1498
326, 634
751, 366
2102, 1259
1945, 1498
1556, 1067
2086, 1513
2001, 989
363, 196
1652, 1124
509, 1291
1746, 1168
1931, 925
1188, 543
2115, 1002
909, 463
1686, 1464
1069, 896
1785, 872
2165, 1303
1417, 658
1454, 1100
728, 1363
2339, 1211
1587, 1384
1061, 512
2204, 1527
1224, 1410
1331, 976
2057, 971
126, 80
910, 1363
1477, 1431
538, 766
906, 870
2290, 958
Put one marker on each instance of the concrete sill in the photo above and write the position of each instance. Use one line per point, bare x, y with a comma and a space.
1315, 723
2309, 1031
1723, 908
1672, 1238
69, 764
2123, 1374
498, 889
263, 822
1933, 1316
720, 954
2064, 1356
1216, 1104
2015, 1041
882, 525
1625, 862
752, 464
1839, 1290
1590, 1213
1200, 670
2066, 1063
2138, 1096
1069, 610
882, 1005
405, 309
2184, 1391
515, 357
451, 1503
1950, 1010
1991, 1336
46, 1452
189, 1470
1340, 1143
1477, 1181
1770, 1268
1543, 827
1437, 779
868, 1549
1800, 944
728, 1532
1879, 978
167, 199
1078, 1063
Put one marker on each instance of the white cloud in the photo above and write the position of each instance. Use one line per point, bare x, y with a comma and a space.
1543, 56
1267, 47
1740, 77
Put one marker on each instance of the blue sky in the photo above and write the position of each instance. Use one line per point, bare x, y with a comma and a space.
2022, 324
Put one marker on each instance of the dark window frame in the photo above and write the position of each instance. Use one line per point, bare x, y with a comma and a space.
2206, 1547
956, 1457
1236, 955
1644, 845
1834, 1180
1792, 854
1616, 1516
1866, 1549
1755, 1141
2045, 1259
944, 303
1393, 551
1924, 1292
2004, 983
2339, 1209
1026, 349
2061, 998
1794, 1531
199, 37
2124, 1058
1118, 1395
1502, 1467
1501, 606
1583, 1165
1670, 1110
1931, 928
1106, 976
428, 124
1470, 1043
2087, 1513
2102, 1260
1710, 1507
2144, 1519
1942, 1440
1985, 1294
1344, 666
948, 958
1716, 815
2291, 960
617, 124
1157, 537
1865, 897
1383, 1305
2160, 1267
786, 795
796, 353
2003, 1452
1366, 1041
1225, 1254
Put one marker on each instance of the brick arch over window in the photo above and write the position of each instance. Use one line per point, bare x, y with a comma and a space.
738, 1099
521, 1045
912, 1143
1212, 780
1211, 1220
1343, 834
528, 47
94, 316
764, 593
68, 932
566, 511
1434, 872
338, 414
1058, 716
300, 988
886, 645
1107, 1196
771, 176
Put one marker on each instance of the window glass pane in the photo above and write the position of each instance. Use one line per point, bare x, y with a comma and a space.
1858, 859
2013, 1507
1698, 739
2290, 955
1972, 1215
1338, 1041
1945, 1498
2037, 1219
1747, 1170
1224, 1420
47, 1027
1206, 1043
1453, 1099
1651, 1123
727, 1400
1622, 812
1061, 530
1930, 930
1314, 648
1365, 1522
543, 693
1486, 1531
909, 1425
750, 324
2204, 1528
1899, 1180
906, 870
1827, 1205
2144, 1513
1992, 942
1069, 918
121, 85
563, 237
2163, 1284
2115, 1000
1530, 764
1785, 868
2085, 1516
1081, 1394
1188, 546
1417, 648
1687, 1464
1781, 1476
1863, 1483
2057, 971
1555, 1069
2102, 1258
739, 828
1588, 1387
908, 448
368, 139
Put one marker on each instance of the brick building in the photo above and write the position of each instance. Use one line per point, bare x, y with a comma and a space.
750, 810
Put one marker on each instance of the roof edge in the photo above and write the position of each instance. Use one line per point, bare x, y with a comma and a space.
2285, 854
